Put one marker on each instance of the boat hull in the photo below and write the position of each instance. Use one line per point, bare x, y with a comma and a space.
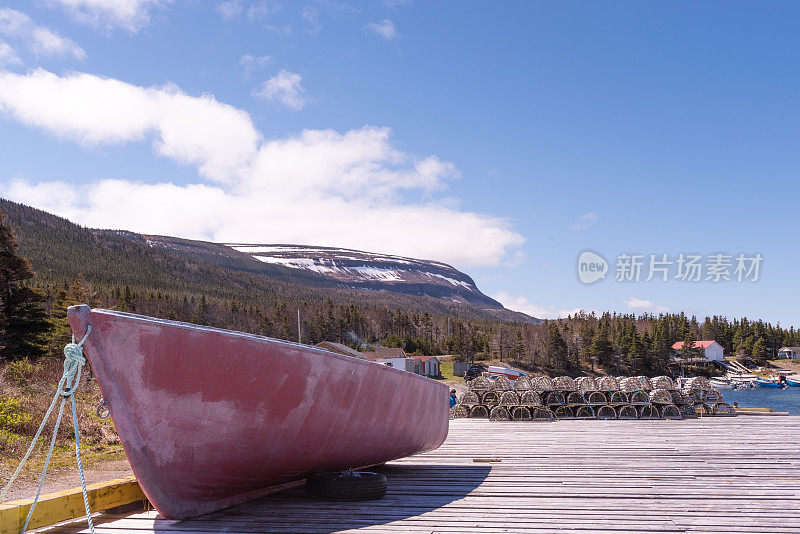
792, 383
212, 418
768, 384
717, 384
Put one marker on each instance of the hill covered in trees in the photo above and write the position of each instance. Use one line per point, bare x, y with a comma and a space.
60, 249
110, 270
332, 267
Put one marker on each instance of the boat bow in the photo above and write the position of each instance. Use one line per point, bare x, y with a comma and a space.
210, 418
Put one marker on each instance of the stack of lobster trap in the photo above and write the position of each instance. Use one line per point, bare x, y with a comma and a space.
542, 398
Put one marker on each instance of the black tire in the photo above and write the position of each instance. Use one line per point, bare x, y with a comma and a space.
346, 486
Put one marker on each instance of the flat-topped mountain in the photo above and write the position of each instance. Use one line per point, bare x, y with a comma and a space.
368, 270
61, 249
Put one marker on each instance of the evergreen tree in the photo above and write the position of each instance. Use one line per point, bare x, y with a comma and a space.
689, 351
759, 349
125, 299
23, 322
601, 348
59, 332
518, 351
201, 313
659, 350
636, 358
738, 343
555, 349
748, 345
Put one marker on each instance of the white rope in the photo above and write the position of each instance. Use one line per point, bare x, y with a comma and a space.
73, 364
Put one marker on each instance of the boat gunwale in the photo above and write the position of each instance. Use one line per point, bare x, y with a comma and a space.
247, 335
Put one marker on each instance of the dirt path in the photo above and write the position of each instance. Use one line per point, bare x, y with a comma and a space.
68, 478
787, 365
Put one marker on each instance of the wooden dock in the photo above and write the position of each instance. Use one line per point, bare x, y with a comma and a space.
709, 475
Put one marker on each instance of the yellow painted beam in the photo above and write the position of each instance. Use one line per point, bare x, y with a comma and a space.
68, 504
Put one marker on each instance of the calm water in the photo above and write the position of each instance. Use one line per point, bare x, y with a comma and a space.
780, 400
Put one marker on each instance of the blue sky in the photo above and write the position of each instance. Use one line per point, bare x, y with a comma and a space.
503, 138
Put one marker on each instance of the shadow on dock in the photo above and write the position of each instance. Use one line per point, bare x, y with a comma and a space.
413, 491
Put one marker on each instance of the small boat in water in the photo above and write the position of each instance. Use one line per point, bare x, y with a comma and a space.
793, 381
739, 380
720, 383
762, 383
212, 418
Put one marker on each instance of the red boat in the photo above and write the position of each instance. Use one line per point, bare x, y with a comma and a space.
211, 418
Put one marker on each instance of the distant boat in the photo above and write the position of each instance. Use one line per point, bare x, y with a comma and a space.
769, 383
720, 383
793, 381
211, 418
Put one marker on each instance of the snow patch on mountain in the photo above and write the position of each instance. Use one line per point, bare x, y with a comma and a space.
356, 268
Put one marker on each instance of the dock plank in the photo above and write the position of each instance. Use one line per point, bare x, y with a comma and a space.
737, 475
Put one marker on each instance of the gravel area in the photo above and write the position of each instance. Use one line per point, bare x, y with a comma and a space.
71, 479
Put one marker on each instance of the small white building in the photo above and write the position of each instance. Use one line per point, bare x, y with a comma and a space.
394, 357
404, 364
789, 353
712, 350
429, 365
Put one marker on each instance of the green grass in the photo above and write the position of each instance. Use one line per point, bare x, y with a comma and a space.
11, 415
446, 368
28, 387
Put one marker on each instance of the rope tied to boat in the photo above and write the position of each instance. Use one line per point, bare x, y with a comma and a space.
74, 361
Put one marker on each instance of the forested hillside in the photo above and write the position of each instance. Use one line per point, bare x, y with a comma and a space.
75, 264
60, 250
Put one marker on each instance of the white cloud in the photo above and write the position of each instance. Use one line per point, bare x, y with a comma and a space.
262, 9
13, 22
230, 9
641, 305
322, 187
41, 41
284, 88
48, 43
128, 14
58, 197
8, 56
522, 304
585, 221
284, 29
259, 10
311, 15
384, 28
250, 63
359, 165
216, 137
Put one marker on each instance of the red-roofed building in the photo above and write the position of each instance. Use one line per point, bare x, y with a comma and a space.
712, 350
429, 365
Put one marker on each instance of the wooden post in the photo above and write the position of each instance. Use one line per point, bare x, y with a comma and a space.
60, 506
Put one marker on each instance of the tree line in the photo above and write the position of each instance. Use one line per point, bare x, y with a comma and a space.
33, 321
